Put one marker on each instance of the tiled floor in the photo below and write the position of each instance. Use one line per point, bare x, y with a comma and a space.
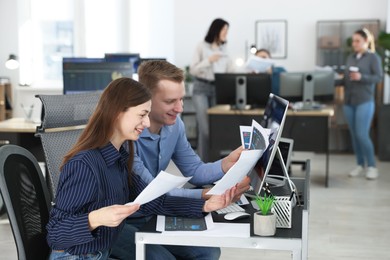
349, 220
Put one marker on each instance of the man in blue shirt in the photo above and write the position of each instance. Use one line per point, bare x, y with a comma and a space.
166, 140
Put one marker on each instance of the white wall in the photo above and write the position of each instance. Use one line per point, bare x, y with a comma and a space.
174, 27
192, 19
152, 28
9, 37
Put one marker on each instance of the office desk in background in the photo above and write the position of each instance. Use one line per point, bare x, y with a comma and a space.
309, 128
293, 239
20, 132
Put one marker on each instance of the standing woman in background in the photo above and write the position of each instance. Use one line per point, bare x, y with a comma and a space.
210, 57
363, 72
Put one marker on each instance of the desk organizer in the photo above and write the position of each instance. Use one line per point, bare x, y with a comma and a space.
283, 210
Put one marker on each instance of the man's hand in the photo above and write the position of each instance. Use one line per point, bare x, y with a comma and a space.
204, 191
219, 201
231, 159
242, 187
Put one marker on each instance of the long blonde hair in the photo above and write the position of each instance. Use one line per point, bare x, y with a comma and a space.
367, 35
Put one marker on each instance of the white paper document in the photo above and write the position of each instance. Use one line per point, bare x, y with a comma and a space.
259, 139
245, 133
258, 143
237, 172
163, 183
258, 64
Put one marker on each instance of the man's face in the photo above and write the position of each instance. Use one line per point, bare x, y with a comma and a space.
167, 104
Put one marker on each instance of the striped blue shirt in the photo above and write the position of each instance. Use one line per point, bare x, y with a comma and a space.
155, 151
94, 179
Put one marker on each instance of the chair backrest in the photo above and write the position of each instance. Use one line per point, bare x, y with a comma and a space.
27, 200
63, 119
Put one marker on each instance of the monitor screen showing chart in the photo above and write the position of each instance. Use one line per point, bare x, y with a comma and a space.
84, 74
273, 118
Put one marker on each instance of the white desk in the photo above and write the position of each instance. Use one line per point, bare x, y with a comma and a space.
294, 239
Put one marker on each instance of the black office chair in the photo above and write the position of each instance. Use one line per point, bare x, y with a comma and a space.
63, 119
27, 201
2, 206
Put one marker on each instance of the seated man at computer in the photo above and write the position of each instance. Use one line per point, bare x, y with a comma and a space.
165, 140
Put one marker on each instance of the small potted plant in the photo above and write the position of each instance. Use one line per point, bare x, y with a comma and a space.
264, 221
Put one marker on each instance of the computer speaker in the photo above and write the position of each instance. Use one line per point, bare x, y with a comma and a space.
241, 92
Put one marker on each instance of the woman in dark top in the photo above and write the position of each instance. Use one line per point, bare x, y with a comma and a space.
363, 72
95, 182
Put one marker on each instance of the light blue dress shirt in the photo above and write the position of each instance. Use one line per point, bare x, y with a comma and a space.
154, 152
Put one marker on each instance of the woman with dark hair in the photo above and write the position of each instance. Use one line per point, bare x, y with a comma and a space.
363, 71
96, 179
210, 57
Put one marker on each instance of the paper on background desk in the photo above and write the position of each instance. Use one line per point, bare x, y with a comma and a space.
213, 229
237, 172
163, 183
258, 64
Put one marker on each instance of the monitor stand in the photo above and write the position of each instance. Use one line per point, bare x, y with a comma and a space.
280, 183
308, 88
308, 102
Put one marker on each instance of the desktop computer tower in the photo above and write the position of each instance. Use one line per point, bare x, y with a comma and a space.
240, 92
384, 133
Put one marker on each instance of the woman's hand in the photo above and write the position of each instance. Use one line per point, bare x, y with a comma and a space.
220, 201
214, 57
110, 216
355, 76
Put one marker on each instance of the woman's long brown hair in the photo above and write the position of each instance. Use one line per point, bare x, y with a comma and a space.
119, 95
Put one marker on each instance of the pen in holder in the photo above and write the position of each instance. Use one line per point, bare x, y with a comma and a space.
28, 112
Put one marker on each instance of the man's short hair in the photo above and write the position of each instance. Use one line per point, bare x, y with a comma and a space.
151, 72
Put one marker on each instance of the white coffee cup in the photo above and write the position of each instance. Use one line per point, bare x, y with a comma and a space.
353, 69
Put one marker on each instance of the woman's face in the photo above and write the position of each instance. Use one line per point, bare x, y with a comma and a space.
132, 122
359, 44
223, 33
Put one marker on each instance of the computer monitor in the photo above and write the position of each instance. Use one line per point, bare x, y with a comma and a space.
307, 86
133, 58
274, 117
286, 146
84, 74
258, 88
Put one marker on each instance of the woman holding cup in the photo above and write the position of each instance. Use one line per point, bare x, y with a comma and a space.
363, 72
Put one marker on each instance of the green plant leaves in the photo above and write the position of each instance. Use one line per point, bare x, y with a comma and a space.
265, 203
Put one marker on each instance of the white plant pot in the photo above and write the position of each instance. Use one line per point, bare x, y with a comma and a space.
264, 225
